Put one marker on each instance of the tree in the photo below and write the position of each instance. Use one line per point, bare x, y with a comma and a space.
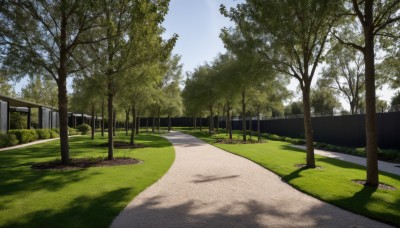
293, 35
345, 72
225, 68
323, 100
43, 36
380, 19
250, 67
87, 96
395, 102
171, 91
296, 107
5, 87
40, 90
133, 37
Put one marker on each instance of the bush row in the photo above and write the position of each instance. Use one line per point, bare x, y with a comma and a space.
286, 139
14, 137
383, 154
21, 136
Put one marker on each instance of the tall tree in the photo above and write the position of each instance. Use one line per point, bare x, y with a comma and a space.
345, 72
133, 37
294, 35
42, 36
171, 90
376, 19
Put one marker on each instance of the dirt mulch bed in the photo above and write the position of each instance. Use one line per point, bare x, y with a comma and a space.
123, 145
305, 166
381, 185
238, 141
79, 163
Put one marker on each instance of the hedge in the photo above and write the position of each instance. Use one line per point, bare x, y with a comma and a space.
84, 128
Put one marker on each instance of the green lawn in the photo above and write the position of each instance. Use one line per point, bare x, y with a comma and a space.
90, 197
332, 183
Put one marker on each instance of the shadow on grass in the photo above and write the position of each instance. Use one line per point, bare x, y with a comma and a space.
83, 211
359, 203
292, 149
294, 175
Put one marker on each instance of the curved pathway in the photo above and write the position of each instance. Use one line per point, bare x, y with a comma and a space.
208, 187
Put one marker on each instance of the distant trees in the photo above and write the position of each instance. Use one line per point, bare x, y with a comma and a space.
40, 90
323, 101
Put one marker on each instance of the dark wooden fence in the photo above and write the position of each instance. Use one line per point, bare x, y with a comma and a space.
347, 130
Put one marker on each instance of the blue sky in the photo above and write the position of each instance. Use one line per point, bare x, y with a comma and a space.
198, 24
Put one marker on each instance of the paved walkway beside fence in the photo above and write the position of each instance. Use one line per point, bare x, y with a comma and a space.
388, 167
208, 187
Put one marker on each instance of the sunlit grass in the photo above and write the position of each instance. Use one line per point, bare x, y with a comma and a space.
89, 197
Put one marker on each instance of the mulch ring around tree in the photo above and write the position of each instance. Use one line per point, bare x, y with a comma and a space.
238, 141
79, 163
381, 185
123, 145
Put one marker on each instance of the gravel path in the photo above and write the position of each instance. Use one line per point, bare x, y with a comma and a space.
208, 187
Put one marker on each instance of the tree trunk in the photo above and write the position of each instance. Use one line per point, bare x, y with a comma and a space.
63, 116
102, 117
371, 127
244, 116
201, 124
62, 92
217, 124
132, 142
93, 122
169, 123
211, 123
138, 123
251, 127
127, 121
258, 126
153, 125
110, 127
229, 122
194, 123
308, 127
159, 119
147, 124
115, 123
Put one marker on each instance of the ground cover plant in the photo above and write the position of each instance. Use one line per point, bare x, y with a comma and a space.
332, 182
86, 197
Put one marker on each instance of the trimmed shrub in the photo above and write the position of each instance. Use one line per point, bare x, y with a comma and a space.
8, 140
57, 130
359, 152
43, 133
390, 155
84, 128
72, 131
25, 136
54, 134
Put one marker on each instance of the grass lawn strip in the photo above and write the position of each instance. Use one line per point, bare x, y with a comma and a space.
332, 183
89, 197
